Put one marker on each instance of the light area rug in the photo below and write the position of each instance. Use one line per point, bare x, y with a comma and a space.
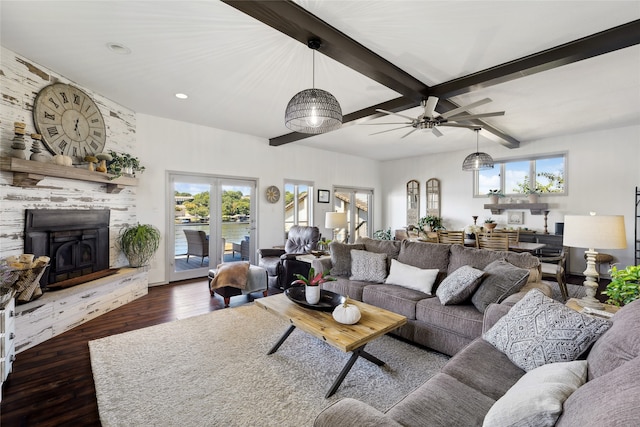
213, 370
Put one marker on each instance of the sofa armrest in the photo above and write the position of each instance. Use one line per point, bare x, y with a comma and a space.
352, 412
269, 252
321, 264
492, 314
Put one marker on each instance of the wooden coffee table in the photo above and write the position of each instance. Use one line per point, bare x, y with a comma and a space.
374, 323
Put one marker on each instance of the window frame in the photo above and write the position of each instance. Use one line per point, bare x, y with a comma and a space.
500, 163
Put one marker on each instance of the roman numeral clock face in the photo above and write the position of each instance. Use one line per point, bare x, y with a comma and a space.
69, 121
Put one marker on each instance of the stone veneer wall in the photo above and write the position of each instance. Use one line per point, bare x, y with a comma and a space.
20, 81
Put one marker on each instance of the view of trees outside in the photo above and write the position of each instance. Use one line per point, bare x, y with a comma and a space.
233, 203
548, 172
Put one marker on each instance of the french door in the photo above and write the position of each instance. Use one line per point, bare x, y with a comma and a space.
222, 208
356, 202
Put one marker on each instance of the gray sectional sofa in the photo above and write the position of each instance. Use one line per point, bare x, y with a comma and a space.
445, 328
482, 386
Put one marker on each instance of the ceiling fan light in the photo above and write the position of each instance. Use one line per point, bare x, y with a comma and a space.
313, 111
477, 161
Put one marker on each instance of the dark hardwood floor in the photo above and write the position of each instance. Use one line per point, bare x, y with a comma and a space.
52, 384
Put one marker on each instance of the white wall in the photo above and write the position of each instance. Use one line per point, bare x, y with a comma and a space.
602, 175
164, 144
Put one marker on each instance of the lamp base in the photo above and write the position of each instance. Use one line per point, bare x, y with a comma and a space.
590, 283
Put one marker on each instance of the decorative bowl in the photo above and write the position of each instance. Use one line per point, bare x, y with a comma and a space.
328, 300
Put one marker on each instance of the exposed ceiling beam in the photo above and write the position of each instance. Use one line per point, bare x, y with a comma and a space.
296, 22
299, 24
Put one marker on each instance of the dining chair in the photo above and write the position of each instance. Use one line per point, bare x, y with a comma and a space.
513, 235
492, 241
554, 267
454, 237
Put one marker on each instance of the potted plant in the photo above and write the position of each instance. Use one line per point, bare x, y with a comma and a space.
494, 195
124, 163
382, 234
312, 284
624, 286
490, 223
434, 223
139, 242
532, 195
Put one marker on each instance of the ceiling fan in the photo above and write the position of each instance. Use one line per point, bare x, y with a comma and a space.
430, 119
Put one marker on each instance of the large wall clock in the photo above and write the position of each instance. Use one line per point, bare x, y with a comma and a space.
69, 121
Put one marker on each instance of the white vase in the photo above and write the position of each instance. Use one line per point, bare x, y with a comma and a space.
312, 294
533, 198
493, 200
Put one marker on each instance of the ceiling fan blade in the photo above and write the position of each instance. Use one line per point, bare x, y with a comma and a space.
437, 133
477, 116
403, 123
430, 106
409, 133
389, 130
465, 108
395, 114
458, 125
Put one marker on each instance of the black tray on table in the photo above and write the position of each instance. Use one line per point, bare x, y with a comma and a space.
328, 300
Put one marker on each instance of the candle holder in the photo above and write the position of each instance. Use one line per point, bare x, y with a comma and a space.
546, 213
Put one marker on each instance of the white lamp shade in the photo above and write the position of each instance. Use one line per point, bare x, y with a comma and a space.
594, 231
335, 220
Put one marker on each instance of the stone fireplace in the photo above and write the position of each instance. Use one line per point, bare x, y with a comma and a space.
76, 241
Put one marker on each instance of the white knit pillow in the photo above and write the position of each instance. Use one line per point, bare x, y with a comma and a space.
411, 277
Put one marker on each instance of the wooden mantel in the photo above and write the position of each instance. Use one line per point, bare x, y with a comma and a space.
27, 173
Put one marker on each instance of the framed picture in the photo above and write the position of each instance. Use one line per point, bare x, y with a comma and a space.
323, 196
516, 218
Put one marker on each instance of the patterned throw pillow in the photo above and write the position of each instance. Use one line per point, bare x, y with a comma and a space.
368, 266
501, 280
459, 285
539, 330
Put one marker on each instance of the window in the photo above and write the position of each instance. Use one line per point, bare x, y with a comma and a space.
298, 204
512, 177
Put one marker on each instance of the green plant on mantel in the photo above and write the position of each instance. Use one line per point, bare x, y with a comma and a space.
139, 242
624, 286
123, 163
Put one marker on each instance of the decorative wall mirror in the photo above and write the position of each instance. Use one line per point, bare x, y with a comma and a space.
433, 197
413, 202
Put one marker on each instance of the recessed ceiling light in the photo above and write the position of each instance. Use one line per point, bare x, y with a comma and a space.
118, 48
181, 96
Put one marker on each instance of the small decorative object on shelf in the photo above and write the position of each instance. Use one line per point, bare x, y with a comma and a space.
103, 158
494, 196
37, 154
62, 160
546, 214
92, 160
18, 146
475, 219
490, 223
532, 195
124, 164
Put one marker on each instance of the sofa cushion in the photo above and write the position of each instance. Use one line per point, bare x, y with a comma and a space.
539, 330
341, 258
393, 298
425, 255
484, 368
537, 398
420, 279
501, 280
617, 345
608, 400
459, 285
368, 266
480, 258
343, 286
462, 319
441, 401
389, 247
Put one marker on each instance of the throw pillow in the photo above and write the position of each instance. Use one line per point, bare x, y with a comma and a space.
411, 277
501, 280
538, 396
459, 285
539, 330
341, 258
368, 266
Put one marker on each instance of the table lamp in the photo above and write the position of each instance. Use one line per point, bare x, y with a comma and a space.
593, 231
335, 221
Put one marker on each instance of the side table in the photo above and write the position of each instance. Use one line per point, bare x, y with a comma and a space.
572, 303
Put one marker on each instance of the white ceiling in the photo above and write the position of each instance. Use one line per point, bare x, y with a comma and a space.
240, 74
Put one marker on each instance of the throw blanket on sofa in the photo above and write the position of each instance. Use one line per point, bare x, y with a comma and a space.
231, 274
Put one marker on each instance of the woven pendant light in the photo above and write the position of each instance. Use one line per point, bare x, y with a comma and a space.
313, 110
477, 161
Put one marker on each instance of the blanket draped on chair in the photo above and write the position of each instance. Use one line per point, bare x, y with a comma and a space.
232, 274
